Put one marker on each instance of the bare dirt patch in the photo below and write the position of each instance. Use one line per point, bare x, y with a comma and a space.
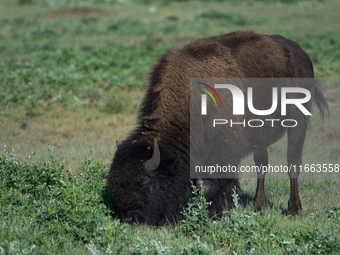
75, 11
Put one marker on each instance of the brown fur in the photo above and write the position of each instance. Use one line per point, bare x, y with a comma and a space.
165, 115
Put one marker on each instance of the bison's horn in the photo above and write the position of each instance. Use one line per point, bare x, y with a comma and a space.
117, 143
153, 163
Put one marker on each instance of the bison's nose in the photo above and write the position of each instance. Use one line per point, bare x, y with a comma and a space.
131, 219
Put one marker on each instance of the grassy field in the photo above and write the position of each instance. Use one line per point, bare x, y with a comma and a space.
72, 76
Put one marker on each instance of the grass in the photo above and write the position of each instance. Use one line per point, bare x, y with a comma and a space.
73, 73
51, 210
76, 77
84, 76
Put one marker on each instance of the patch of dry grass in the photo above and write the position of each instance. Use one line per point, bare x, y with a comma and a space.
75, 131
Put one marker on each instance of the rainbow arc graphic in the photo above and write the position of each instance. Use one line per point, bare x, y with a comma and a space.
209, 93
204, 97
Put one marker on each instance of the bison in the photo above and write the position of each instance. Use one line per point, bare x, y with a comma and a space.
150, 172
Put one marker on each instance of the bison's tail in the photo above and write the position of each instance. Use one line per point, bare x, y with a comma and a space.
320, 99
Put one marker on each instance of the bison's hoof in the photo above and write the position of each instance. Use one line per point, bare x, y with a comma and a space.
259, 204
294, 208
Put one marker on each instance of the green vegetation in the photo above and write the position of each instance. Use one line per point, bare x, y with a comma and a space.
47, 209
73, 77
86, 76
74, 72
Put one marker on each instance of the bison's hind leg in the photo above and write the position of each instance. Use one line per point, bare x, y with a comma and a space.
296, 138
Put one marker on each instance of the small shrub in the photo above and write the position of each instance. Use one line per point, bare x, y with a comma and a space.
197, 216
197, 246
334, 213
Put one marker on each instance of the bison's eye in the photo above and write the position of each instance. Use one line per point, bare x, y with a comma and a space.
144, 181
145, 184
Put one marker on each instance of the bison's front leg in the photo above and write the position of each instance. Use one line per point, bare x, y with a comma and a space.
294, 203
261, 159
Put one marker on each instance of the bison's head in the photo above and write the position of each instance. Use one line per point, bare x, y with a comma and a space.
149, 182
